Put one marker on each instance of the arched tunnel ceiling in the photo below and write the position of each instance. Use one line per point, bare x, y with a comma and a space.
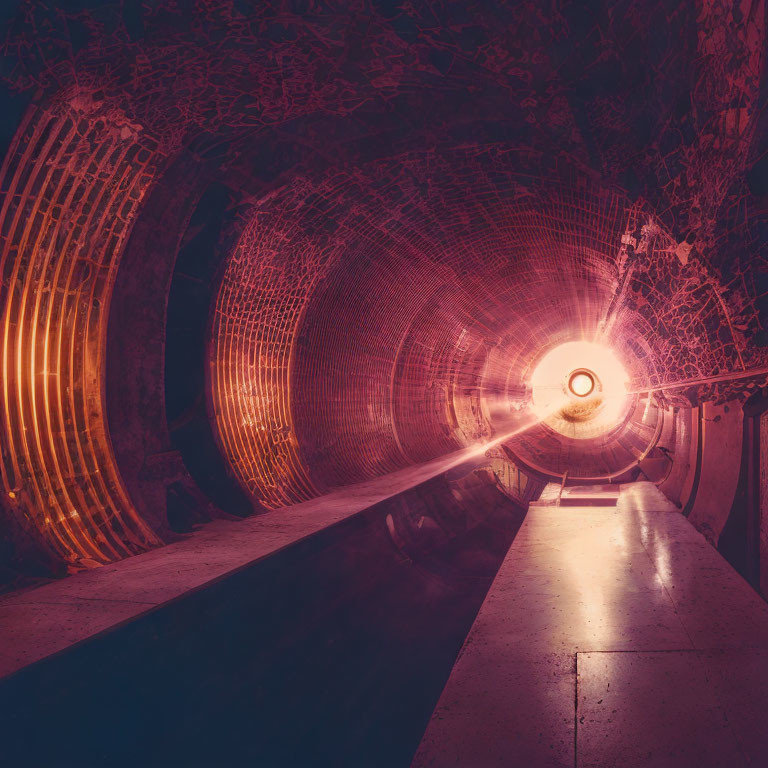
364, 312
428, 197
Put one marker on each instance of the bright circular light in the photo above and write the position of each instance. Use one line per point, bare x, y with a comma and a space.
579, 389
581, 383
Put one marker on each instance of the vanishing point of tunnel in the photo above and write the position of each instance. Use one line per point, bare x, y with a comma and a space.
383, 383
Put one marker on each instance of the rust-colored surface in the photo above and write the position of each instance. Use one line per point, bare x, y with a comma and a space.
72, 183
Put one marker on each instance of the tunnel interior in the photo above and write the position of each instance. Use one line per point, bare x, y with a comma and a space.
259, 256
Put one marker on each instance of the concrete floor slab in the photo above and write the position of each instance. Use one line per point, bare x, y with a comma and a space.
641, 599
489, 703
740, 684
651, 709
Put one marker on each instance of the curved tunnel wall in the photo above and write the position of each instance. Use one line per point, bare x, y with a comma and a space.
387, 311
257, 310
72, 185
371, 320
346, 344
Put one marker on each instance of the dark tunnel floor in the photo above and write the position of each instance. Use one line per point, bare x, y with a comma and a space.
332, 652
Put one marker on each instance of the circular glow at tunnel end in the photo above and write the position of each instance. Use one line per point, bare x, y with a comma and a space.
579, 389
581, 383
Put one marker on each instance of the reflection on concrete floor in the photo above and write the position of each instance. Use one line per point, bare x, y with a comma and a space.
612, 636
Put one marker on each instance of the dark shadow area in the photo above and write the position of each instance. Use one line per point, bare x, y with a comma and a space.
332, 652
189, 304
740, 540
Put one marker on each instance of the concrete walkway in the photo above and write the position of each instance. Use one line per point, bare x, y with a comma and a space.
612, 636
